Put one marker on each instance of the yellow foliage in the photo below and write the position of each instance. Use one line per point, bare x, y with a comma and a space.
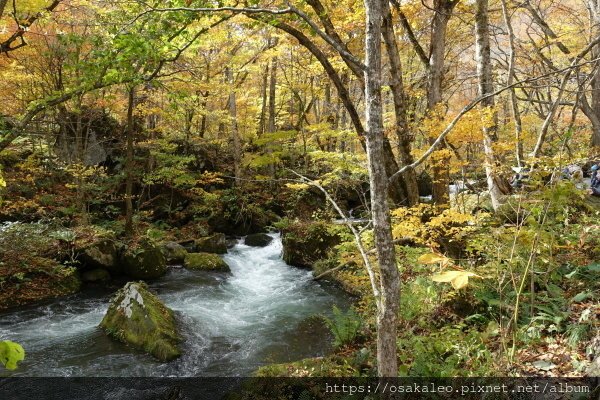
26, 7
297, 186
458, 279
421, 224
433, 258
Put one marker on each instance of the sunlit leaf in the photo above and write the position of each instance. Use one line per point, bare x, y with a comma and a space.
432, 258
458, 279
10, 354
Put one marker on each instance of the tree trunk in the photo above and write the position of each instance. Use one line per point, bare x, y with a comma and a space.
263, 109
272, 92
2, 6
486, 86
235, 136
129, 164
595, 12
516, 114
441, 170
387, 306
403, 134
271, 126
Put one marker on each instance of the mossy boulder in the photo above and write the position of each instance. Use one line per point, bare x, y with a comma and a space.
174, 252
205, 262
95, 275
137, 317
258, 240
188, 245
304, 243
144, 261
216, 243
101, 254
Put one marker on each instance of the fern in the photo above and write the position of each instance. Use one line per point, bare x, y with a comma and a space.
344, 326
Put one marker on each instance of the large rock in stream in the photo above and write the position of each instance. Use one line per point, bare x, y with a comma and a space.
174, 252
205, 262
137, 317
101, 254
304, 243
216, 243
258, 240
144, 261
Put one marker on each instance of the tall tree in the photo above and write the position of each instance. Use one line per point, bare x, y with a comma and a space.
592, 111
389, 281
434, 64
516, 114
233, 123
486, 88
129, 161
403, 134
442, 10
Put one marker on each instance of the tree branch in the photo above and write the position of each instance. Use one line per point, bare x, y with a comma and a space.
337, 45
475, 102
412, 38
7, 45
357, 237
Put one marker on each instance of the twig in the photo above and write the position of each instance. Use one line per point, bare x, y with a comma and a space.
357, 237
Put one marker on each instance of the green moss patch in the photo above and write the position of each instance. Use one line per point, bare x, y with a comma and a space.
137, 317
205, 262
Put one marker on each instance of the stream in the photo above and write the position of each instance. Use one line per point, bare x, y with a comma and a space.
231, 323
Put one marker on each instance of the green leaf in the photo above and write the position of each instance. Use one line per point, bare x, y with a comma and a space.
581, 297
10, 354
571, 274
595, 267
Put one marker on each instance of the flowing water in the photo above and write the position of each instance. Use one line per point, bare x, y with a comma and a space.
231, 323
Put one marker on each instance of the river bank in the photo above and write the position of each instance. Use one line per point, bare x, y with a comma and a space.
232, 324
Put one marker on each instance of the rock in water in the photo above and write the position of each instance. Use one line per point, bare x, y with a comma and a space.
174, 252
136, 316
145, 261
102, 254
205, 262
216, 243
304, 243
258, 240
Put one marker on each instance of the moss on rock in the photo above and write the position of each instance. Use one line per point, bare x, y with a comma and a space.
40, 279
304, 243
101, 254
174, 252
144, 261
205, 262
331, 366
216, 243
137, 317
